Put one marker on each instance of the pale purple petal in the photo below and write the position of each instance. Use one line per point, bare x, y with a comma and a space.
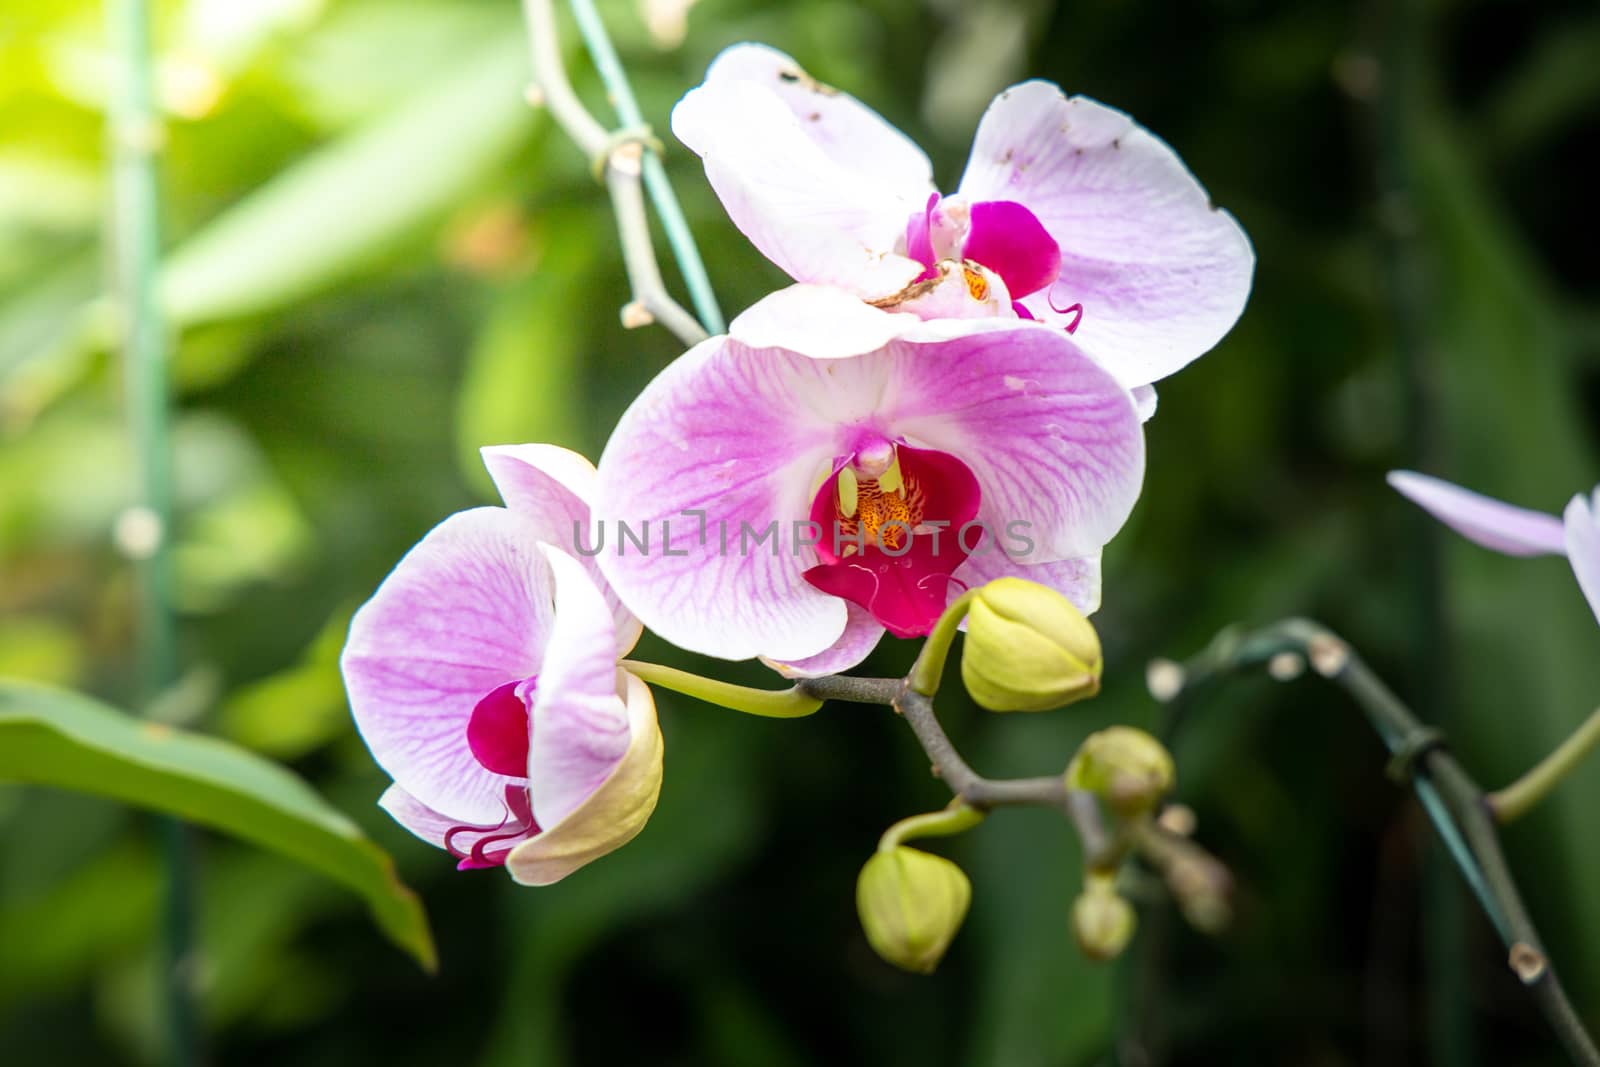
467, 610
496, 837
1076, 579
1144, 398
1161, 273
861, 635
580, 723
1054, 440
551, 487
1583, 545
846, 130
822, 217
1502, 527
743, 436
821, 321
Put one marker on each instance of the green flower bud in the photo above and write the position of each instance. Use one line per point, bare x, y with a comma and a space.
1126, 767
1028, 648
911, 905
1102, 922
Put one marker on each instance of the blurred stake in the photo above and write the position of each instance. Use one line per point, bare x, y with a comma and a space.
135, 137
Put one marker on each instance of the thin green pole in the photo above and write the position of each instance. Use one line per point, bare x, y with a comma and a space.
593, 31
145, 530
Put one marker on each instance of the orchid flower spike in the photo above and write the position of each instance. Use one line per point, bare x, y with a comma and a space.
483, 676
821, 475
1069, 212
1515, 531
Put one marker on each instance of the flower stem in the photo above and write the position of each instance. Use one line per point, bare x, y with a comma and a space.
793, 703
1458, 807
955, 819
656, 183
1517, 799
928, 670
145, 530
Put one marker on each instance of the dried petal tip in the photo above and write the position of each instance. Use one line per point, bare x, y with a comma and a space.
1165, 679
1028, 648
911, 904
1527, 962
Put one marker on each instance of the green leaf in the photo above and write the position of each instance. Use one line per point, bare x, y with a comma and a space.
340, 207
57, 738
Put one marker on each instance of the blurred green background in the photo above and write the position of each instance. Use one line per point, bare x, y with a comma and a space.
380, 260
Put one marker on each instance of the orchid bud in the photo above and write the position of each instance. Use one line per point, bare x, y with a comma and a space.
1102, 921
1126, 767
1028, 648
911, 905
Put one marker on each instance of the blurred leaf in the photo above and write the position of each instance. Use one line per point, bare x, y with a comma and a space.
56, 738
342, 206
523, 372
297, 710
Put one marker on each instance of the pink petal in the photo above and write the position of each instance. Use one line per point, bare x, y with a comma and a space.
1076, 579
474, 846
552, 486
1161, 274
861, 635
580, 723
498, 731
818, 183
1008, 239
905, 586
819, 320
738, 435
1054, 440
1502, 527
466, 611
1583, 545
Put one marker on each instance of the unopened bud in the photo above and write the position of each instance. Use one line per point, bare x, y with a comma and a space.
911, 905
1102, 922
1028, 648
1126, 767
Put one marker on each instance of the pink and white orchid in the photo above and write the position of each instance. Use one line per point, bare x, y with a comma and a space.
1069, 212
800, 489
1516, 531
483, 676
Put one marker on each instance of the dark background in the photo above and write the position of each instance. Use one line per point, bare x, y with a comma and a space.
380, 262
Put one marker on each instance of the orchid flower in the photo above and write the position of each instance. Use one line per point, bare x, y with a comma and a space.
1516, 531
483, 676
825, 473
1069, 212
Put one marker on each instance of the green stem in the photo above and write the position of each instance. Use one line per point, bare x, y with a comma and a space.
793, 703
135, 136
1518, 798
679, 238
955, 819
1454, 802
928, 670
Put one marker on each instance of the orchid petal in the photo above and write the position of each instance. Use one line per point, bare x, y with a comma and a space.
1503, 527
797, 183
491, 841
1583, 545
552, 486
580, 726
1009, 239
1055, 442
848, 131
737, 435
1162, 274
1144, 398
1076, 579
822, 321
613, 814
861, 635
467, 610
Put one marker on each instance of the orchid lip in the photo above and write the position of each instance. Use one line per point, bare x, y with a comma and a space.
517, 826
893, 537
